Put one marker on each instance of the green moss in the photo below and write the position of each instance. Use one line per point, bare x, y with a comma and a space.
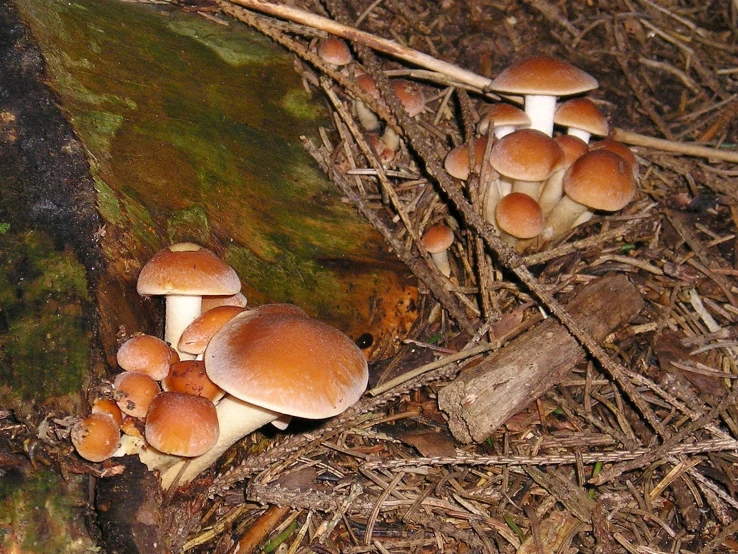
190, 225
300, 105
40, 513
44, 339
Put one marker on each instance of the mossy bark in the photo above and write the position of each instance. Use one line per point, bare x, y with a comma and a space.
125, 127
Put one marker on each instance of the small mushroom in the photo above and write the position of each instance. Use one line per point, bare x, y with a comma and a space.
437, 240
184, 273
541, 80
181, 424
145, 354
96, 437
599, 180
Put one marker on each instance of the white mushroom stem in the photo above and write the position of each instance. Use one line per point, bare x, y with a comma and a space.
366, 117
531, 188
551, 192
490, 201
236, 419
579, 133
541, 110
562, 218
442, 263
181, 310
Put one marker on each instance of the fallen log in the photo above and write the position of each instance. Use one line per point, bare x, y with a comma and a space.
484, 397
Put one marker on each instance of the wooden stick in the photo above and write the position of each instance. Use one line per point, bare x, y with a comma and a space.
686, 148
482, 398
372, 41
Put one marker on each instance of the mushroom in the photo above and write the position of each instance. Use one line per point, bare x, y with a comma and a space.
190, 377
96, 437
181, 424
437, 240
184, 273
581, 118
519, 216
502, 119
195, 337
599, 180
540, 80
553, 189
275, 363
526, 157
145, 354
334, 51
210, 302
134, 393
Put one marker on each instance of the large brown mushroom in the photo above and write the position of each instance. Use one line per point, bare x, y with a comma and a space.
275, 363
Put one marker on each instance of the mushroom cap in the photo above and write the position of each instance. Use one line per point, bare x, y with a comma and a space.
210, 302
96, 437
543, 75
334, 51
108, 406
197, 334
145, 354
572, 147
618, 148
134, 392
190, 377
526, 155
437, 238
502, 114
287, 363
181, 424
457, 161
520, 215
410, 95
582, 113
600, 180
186, 268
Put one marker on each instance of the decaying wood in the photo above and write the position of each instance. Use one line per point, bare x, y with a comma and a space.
481, 399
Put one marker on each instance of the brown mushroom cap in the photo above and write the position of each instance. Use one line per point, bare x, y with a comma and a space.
410, 95
582, 113
190, 377
438, 238
572, 147
543, 75
334, 51
288, 364
210, 302
618, 148
96, 437
526, 155
458, 161
501, 115
600, 180
187, 269
520, 215
134, 392
108, 407
145, 354
197, 334
181, 424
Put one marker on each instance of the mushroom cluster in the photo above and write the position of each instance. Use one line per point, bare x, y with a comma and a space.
383, 139
543, 152
222, 371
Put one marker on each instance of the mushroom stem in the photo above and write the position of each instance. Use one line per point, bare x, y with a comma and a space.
540, 109
442, 263
531, 188
551, 192
181, 310
236, 419
579, 133
562, 218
